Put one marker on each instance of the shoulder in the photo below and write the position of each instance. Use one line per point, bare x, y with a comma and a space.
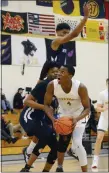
82, 86
82, 89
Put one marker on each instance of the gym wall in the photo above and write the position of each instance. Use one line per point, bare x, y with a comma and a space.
92, 60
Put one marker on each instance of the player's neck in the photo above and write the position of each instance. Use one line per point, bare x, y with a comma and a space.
67, 83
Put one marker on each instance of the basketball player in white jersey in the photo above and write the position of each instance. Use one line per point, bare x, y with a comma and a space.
102, 106
74, 102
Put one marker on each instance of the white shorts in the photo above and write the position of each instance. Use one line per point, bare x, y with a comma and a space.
103, 123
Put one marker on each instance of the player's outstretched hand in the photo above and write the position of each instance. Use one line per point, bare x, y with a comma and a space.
86, 10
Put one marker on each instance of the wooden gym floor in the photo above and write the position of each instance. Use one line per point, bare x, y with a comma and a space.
70, 165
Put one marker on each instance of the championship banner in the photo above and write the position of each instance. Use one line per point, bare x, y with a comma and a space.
94, 31
66, 7
5, 49
66, 56
45, 3
96, 8
15, 23
72, 22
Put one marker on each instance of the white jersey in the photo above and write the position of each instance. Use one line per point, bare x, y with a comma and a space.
103, 121
103, 99
69, 103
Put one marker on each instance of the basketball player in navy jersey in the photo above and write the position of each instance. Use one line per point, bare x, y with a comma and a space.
34, 123
64, 35
74, 102
48, 74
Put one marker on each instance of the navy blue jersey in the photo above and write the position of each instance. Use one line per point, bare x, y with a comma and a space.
38, 93
65, 54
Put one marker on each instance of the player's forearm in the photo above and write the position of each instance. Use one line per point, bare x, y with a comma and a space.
76, 31
49, 112
83, 114
79, 28
34, 104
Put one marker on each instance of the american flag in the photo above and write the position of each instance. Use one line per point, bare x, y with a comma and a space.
41, 24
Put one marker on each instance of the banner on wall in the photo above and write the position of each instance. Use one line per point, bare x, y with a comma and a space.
94, 31
72, 22
66, 7
4, 3
28, 50
46, 3
5, 49
41, 24
15, 23
96, 8
106, 3
67, 54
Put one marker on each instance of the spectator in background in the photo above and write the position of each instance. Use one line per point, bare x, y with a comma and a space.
5, 132
18, 99
5, 104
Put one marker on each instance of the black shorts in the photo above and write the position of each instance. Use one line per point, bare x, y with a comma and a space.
35, 127
63, 142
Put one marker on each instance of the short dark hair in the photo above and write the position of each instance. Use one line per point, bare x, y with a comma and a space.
70, 69
46, 67
62, 26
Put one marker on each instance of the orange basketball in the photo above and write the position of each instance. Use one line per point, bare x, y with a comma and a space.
63, 126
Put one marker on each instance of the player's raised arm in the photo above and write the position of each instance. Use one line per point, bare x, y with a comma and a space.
48, 99
61, 40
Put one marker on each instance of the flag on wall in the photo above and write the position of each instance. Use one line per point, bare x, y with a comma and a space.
94, 31
66, 7
67, 55
96, 8
30, 51
15, 23
6, 49
41, 24
4, 3
72, 22
46, 3
106, 4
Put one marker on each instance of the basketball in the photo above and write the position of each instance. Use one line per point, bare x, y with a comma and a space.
63, 126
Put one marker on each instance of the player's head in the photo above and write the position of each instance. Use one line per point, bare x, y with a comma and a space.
62, 29
50, 70
107, 82
66, 72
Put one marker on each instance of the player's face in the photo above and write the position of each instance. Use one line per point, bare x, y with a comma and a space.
53, 73
63, 74
63, 32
